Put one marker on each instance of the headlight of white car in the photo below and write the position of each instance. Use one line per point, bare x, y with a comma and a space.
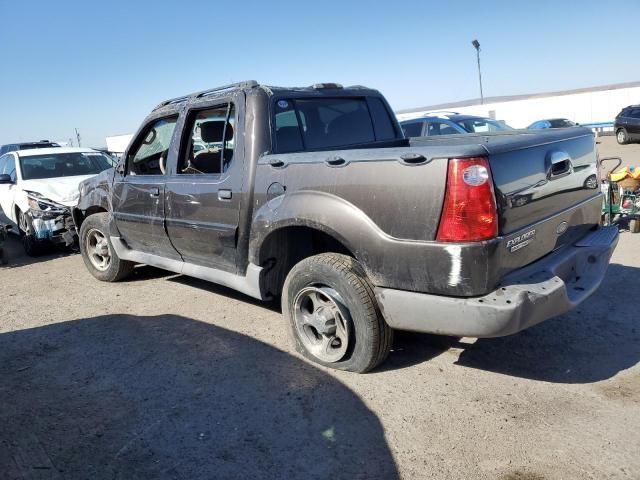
41, 206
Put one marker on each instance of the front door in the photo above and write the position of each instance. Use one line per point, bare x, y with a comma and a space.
8, 190
203, 192
139, 189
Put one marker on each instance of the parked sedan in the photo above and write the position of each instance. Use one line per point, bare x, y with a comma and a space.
552, 123
450, 124
38, 187
627, 125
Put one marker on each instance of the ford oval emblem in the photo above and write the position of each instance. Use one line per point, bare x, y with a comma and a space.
562, 227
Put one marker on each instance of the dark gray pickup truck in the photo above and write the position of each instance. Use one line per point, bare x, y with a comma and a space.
312, 195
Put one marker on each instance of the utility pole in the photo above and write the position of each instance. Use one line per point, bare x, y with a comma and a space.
78, 137
476, 45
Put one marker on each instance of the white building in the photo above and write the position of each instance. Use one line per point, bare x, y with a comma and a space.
118, 143
584, 105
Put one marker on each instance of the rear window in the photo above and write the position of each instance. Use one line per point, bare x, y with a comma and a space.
330, 123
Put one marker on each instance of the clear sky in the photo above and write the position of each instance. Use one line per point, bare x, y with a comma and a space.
102, 66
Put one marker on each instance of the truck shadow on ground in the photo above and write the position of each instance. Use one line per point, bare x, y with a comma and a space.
592, 343
123, 396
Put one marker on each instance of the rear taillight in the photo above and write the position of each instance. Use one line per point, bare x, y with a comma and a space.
469, 212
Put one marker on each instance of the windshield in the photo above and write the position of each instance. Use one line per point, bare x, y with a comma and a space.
482, 125
54, 165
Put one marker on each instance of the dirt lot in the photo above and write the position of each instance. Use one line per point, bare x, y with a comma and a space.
164, 376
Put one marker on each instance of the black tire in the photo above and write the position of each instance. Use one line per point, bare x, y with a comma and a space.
372, 339
591, 182
622, 137
116, 269
32, 246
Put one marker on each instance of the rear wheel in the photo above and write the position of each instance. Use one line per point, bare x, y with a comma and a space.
333, 315
622, 137
98, 253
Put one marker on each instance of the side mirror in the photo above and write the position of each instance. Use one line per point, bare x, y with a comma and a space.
5, 179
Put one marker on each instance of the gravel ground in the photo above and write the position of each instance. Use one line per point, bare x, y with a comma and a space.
163, 376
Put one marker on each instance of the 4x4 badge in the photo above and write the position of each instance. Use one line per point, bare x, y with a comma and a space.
521, 241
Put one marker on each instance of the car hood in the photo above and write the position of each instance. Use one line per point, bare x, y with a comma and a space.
63, 190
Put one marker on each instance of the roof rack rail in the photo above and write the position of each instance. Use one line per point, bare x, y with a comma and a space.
440, 112
203, 93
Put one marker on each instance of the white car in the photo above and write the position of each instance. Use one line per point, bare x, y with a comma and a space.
39, 187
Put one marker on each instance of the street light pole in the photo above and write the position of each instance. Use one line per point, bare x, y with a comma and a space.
476, 45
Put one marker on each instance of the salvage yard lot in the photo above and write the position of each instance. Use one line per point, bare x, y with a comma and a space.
165, 376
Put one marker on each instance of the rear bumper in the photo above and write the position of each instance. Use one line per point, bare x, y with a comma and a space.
549, 287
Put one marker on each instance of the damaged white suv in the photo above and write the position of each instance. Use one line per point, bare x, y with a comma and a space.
39, 187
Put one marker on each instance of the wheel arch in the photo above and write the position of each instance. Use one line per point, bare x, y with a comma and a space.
294, 226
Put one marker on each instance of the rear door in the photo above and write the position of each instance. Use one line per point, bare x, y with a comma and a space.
138, 191
204, 189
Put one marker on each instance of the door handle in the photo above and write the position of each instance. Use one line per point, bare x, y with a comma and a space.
224, 194
154, 192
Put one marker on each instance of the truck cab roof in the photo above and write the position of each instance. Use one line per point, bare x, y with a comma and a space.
315, 89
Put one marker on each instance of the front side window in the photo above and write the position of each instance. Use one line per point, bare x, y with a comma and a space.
55, 165
330, 123
149, 154
412, 129
9, 167
3, 163
210, 146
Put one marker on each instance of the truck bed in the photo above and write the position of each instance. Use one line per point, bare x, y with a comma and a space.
400, 191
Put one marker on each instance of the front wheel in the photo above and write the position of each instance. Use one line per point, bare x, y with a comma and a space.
622, 137
333, 315
32, 246
98, 253
591, 182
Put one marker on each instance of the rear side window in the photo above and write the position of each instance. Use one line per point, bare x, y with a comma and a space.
440, 128
330, 123
210, 145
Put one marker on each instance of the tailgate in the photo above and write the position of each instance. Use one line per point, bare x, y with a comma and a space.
539, 177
